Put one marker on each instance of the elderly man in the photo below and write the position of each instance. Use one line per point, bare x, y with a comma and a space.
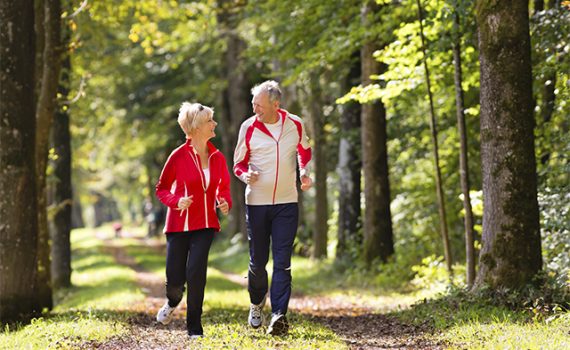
270, 145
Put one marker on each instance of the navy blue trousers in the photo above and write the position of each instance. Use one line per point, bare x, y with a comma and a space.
187, 263
275, 226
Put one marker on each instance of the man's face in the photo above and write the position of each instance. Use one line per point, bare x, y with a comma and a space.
265, 110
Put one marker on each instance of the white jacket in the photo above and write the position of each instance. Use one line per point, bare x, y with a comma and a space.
274, 159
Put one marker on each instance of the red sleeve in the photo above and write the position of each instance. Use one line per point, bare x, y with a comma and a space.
164, 185
224, 186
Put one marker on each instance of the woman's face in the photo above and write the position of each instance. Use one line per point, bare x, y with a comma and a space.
206, 128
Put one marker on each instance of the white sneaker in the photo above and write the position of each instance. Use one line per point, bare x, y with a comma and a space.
256, 318
164, 315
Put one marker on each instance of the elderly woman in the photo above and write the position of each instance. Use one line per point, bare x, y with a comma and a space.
193, 183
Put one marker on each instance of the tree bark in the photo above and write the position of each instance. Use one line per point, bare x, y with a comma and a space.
320, 231
18, 206
433, 127
349, 166
237, 107
511, 253
45, 110
77, 211
62, 196
548, 101
378, 235
463, 155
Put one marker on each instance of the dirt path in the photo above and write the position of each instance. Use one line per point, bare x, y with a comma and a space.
360, 326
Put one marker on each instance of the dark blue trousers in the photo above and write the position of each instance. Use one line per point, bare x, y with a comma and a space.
274, 225
187, 263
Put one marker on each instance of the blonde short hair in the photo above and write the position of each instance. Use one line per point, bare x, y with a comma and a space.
191, 115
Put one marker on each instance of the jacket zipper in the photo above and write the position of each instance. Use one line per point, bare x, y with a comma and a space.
198, 164
206, 187
276, 172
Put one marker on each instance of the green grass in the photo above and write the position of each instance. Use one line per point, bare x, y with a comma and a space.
317, 277
90, 310
96, 308
475, 323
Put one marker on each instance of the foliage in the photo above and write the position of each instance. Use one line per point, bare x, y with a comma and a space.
555, 232
140, 60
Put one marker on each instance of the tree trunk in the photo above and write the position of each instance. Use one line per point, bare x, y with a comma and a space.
433, 126
45, 110
349, 166
511, 253
237, 108
77, 211
463, 156
548, 95
378, 235
62, 196
18, 218
320, 170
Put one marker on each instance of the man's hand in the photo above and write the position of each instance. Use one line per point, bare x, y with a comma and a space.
251, 177
306, 182
184, 202
223, 206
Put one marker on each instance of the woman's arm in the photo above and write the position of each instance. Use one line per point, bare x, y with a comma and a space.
164, 185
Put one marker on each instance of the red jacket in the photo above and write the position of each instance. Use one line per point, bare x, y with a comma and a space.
182, 176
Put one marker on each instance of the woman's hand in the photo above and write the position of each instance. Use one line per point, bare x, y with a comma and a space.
223, 206
184, 202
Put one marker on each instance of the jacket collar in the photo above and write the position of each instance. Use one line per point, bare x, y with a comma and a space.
261, 126
211, 148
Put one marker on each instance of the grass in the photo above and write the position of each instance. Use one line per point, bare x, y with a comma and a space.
91, 310
97, 307
474, 322
226, 304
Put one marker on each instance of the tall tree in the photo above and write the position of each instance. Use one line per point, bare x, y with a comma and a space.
463, 156
18, 216
349, 167
511, 252
378, 235
45, 110
433, 127
548, 84
61, 191
317, 120
236, 101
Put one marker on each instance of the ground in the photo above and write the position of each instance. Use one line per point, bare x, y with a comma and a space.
359, 325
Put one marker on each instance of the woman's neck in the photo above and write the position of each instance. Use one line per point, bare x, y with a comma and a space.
200, 145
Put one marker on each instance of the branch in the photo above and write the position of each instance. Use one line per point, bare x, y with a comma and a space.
79, 93
81, 7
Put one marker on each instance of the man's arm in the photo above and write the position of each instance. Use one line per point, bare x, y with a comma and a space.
241, 154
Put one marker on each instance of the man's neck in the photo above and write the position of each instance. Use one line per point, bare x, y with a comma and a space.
273, 119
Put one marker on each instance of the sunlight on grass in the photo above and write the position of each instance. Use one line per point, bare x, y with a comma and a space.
90, 310
505, 334
60, 332
477, 325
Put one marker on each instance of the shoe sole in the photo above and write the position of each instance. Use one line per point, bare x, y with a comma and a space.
278, 329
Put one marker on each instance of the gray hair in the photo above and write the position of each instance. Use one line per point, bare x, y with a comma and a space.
270, 87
